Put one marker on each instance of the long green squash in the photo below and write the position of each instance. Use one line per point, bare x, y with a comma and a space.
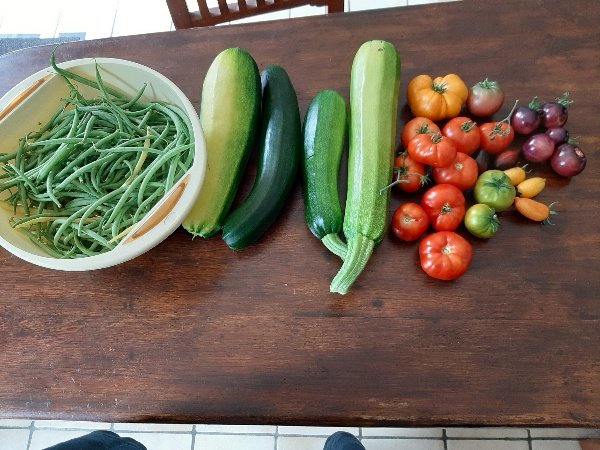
230, 116
374, 86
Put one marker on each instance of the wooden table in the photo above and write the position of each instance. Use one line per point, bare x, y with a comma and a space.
195, 332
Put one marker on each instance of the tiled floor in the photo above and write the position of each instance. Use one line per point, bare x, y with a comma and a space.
40, 18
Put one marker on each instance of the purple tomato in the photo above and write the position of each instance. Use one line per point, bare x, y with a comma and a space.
538, 147
555, 114
525, 120
568, 160
559, 135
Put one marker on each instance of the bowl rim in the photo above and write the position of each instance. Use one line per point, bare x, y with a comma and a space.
160, 231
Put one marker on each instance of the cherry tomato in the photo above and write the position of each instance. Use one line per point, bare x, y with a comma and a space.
409, 174
418, 125
435, 150
445, 206
409, 221
462, 173
464, 133
445, 255
496, 136
485, 98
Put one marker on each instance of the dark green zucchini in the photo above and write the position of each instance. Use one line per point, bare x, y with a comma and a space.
280, 142
324, 133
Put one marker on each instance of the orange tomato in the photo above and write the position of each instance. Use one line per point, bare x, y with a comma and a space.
436, 99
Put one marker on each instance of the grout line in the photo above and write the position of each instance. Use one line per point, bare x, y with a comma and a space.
31, 429
193, 436
444, 439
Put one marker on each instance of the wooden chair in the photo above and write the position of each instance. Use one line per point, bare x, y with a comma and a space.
226, 12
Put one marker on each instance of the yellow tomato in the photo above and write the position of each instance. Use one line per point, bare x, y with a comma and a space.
516, 175
436, 99
531, 187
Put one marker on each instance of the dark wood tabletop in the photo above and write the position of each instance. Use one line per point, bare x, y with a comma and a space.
195, 332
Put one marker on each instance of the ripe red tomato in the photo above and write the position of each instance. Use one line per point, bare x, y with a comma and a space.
462, 173
464, 133
409, 221
409, 174
445, 255
434, 150
496, 136
445, 206
416, 126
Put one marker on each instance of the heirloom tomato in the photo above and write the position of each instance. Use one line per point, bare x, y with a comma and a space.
462, 172
464, 133
409, 221
445, 206
494, 188
415, 126
435, 150
436, 99
445, 255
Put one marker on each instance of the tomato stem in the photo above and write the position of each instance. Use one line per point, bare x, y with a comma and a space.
467, 125
564, 100
437, 138
487, 84
440, 88
497, 130
535, 104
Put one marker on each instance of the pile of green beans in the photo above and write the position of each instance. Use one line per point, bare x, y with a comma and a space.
78, 184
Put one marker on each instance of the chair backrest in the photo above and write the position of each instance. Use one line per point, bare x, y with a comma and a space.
226, 12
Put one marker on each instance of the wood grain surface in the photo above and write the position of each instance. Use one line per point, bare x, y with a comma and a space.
194, 332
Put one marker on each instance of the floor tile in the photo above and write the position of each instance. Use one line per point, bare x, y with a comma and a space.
83, 16
236, 429
233, 442
42, 439
402, 444
14, 423
491, 433
300, 443
162, 441
361, 5
574, 433
71, 425
276, 15
423, 2
14, 439
555, 445
315, 431
141, 16
483, 444
402, 432
164, 427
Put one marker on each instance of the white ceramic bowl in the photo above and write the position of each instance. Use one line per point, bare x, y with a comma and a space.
38, 107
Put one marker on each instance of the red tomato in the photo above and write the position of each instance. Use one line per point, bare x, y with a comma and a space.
464, 133
418, 125
496, 136
409, 221
435, 150
462, 173
445, 255
409, 174
445, 206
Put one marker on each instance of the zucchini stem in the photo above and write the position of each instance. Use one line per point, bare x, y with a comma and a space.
360, 249
333, 242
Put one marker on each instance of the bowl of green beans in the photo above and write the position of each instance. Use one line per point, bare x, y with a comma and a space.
101, 159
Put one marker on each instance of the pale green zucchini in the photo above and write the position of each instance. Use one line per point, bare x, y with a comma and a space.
229, 115
374, 86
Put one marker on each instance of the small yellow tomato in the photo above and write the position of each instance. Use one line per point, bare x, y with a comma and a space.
516, 175
534, 210
531, 187
436, 99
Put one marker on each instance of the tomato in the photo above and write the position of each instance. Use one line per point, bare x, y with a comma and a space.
481, 221
418, 125
534, 210
409, 221
485, 98
436, 99
494, 188
409, 174
464, 133
435, 150
445, 255
445, 206
462, 172
496, 136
